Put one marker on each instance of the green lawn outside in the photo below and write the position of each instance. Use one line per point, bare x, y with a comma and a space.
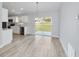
43, 26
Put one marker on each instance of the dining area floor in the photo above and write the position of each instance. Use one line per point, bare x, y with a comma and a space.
33, 46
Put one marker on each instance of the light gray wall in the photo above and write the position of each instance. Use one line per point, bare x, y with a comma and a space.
31, 24
69, 26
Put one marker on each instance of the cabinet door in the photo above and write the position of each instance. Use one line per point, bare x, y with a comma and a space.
4, 15
20, 19
25, 19
6, 36
25, 30
16, 29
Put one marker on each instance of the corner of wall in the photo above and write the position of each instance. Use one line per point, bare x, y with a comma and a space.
65, 50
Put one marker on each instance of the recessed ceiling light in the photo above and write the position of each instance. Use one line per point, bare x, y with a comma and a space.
21, 8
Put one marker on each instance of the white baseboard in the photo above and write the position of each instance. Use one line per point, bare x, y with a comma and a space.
65, 50
2, 45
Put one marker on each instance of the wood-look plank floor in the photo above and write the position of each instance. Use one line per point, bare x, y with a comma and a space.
32, 46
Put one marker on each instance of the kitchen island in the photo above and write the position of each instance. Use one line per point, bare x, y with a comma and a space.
6, 37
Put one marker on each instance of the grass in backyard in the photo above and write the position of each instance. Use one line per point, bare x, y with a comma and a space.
46, 26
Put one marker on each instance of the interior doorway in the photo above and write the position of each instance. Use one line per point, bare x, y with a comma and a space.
43, 25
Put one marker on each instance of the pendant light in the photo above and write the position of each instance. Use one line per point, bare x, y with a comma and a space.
37, 9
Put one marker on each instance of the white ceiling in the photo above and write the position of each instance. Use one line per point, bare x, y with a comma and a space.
14, 8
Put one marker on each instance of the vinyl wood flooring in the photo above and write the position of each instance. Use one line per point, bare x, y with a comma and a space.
33, 46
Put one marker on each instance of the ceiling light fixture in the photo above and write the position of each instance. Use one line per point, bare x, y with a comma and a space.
37, 9
21, 8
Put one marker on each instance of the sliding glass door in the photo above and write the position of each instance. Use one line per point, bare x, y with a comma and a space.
43, 25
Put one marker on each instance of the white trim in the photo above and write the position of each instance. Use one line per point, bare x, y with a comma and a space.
55, 36
65, 50
2, 45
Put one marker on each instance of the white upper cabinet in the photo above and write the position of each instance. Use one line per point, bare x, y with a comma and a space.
0, 9
4, 15
23, 19
20, 19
